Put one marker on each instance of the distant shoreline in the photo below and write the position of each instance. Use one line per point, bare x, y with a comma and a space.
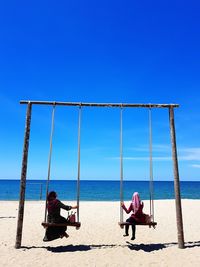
96, 180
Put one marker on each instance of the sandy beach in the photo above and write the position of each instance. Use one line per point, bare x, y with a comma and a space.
100, 241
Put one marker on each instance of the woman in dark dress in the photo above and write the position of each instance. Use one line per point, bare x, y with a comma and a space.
53, 206
137, 216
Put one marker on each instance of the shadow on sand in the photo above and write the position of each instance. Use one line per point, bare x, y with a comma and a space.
148, 247
159, 246
8, 217
72, 248
192, 244
131, 246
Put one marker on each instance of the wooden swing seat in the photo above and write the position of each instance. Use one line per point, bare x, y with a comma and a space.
75, 224
150, 224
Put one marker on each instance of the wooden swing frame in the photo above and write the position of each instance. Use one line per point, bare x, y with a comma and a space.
29, 104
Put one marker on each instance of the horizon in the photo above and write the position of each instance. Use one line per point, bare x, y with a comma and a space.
100, 180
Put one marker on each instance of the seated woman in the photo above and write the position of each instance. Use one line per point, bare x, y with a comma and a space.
53, 206
137, 216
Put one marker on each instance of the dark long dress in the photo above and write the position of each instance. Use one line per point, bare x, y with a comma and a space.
54, 216
138, 217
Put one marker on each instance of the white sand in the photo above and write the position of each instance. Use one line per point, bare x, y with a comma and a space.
100, 241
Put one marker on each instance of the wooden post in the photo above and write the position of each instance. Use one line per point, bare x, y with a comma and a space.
23, 178
176, 180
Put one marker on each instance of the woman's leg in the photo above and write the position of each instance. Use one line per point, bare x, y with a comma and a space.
127, 227
64, 235
62, 229
133, 222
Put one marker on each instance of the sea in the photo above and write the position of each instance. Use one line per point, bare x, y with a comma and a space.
91, 190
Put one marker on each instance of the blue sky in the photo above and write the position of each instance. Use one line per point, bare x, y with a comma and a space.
100, 51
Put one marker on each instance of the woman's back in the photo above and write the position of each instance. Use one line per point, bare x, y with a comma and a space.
53, 211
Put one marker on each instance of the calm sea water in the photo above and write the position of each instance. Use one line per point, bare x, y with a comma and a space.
97, 190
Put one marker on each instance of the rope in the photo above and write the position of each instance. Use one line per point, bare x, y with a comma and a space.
49, 161
78, 175
151, 167
121, 164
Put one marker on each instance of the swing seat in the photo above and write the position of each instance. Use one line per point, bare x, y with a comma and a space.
150, 224
74, 224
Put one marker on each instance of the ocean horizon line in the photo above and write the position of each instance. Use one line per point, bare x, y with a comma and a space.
97, 189
96, 180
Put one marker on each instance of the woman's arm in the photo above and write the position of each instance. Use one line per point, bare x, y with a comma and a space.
142, 206
130, 208
74, 207
63, 206
124, 208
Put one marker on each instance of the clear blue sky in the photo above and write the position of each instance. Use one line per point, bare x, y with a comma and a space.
100, 51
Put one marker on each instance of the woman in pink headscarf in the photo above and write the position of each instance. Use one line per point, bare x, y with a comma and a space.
137, 216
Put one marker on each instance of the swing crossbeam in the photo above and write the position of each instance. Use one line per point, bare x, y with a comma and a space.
115, 105
75, 224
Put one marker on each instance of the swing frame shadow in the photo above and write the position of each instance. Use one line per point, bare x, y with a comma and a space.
115, 105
